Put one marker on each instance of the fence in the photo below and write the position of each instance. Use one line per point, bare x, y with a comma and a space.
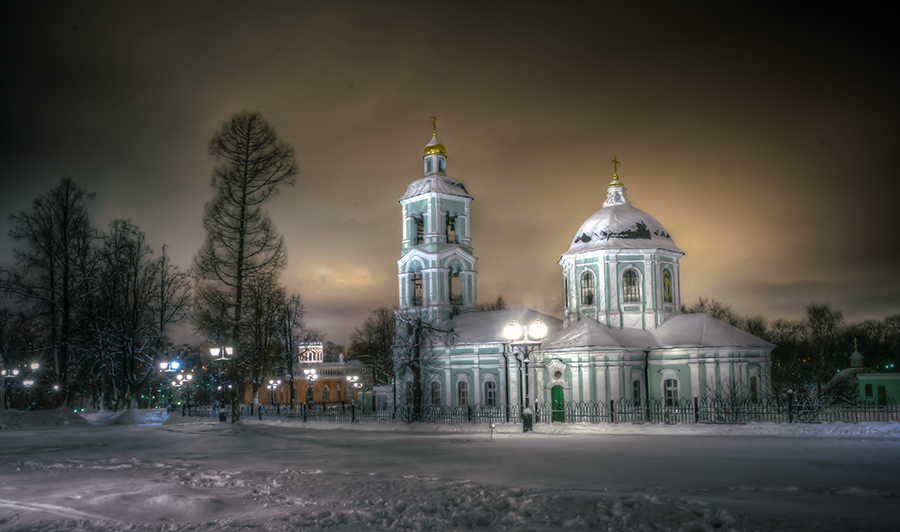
707, 410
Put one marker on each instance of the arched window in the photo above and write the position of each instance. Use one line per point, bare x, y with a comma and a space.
436, 393
451, 229
667, 286
670, 387
588, 286
324, 394
462, 393
417, 289
455, 291
631, 289
490, 393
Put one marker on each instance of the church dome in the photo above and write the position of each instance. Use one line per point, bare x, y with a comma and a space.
435, 147
620, 225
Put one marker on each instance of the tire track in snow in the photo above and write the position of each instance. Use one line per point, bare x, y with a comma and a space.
61, 511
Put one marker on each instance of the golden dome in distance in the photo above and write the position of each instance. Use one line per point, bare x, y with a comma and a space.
434, 147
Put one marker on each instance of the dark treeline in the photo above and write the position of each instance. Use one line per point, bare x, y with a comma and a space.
810, 351
93, 309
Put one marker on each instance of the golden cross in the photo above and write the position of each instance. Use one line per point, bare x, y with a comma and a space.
615, 165
855, 344
434, 125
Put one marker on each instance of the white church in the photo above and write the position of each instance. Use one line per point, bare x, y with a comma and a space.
622, 336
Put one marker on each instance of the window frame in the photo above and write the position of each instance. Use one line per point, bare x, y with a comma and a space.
631, 292
588, 284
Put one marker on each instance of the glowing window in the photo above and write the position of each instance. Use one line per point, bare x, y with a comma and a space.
631, 290
588, 286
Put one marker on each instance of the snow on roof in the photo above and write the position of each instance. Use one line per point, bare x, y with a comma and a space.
702, 330
589, 333
436, 183
621, 226
488, 326
682, 330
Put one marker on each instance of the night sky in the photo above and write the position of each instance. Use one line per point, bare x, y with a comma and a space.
764, 137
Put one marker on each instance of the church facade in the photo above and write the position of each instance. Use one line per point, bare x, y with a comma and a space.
622, 336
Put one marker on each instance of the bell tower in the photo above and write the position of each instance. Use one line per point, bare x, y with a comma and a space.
436, 266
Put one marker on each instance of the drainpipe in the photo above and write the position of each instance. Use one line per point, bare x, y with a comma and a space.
647, 385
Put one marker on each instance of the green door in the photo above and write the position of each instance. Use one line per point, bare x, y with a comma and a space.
558, 407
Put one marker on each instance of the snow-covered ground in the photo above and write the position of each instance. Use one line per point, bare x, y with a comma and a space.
103, 471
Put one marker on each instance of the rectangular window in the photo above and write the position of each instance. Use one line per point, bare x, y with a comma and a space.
636, 392
490, 393
435, 393
671, 386
462, 393
868, 390
754, 391
420, 231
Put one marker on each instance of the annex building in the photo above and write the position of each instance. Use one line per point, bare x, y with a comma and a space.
622, 336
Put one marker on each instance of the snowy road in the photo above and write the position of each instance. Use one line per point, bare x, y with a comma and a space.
215, 476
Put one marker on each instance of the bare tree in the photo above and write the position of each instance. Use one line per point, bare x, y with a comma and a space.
293, 332
373, 346
53, 266
241, 243
418, 337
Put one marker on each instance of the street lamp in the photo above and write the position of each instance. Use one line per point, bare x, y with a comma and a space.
311, 376
169, 367
353, 383
519, 339
9, 375
221, 354
273, 393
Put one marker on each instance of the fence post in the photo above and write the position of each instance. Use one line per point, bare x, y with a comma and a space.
790, 406
303, 409
612, 411
353, 413
696, 410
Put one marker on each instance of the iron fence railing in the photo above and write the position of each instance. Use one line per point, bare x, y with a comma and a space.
710, 410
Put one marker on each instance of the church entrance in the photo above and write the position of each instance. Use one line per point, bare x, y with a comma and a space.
558, 404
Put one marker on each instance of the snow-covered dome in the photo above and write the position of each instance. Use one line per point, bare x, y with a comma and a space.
619, 225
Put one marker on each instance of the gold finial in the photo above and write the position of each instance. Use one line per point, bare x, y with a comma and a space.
615, 166
855, 344
434, 125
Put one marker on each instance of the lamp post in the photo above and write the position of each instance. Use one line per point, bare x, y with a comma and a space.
353, 384
273, 393
311, 376
519, 339
9, 375
221, 355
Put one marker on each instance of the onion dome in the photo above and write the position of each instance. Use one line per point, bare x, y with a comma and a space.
435, 147
619, 225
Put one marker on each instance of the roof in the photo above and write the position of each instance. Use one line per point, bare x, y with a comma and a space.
702, 330
589, 333
620, 225
681, 330
436, 183
488, 326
